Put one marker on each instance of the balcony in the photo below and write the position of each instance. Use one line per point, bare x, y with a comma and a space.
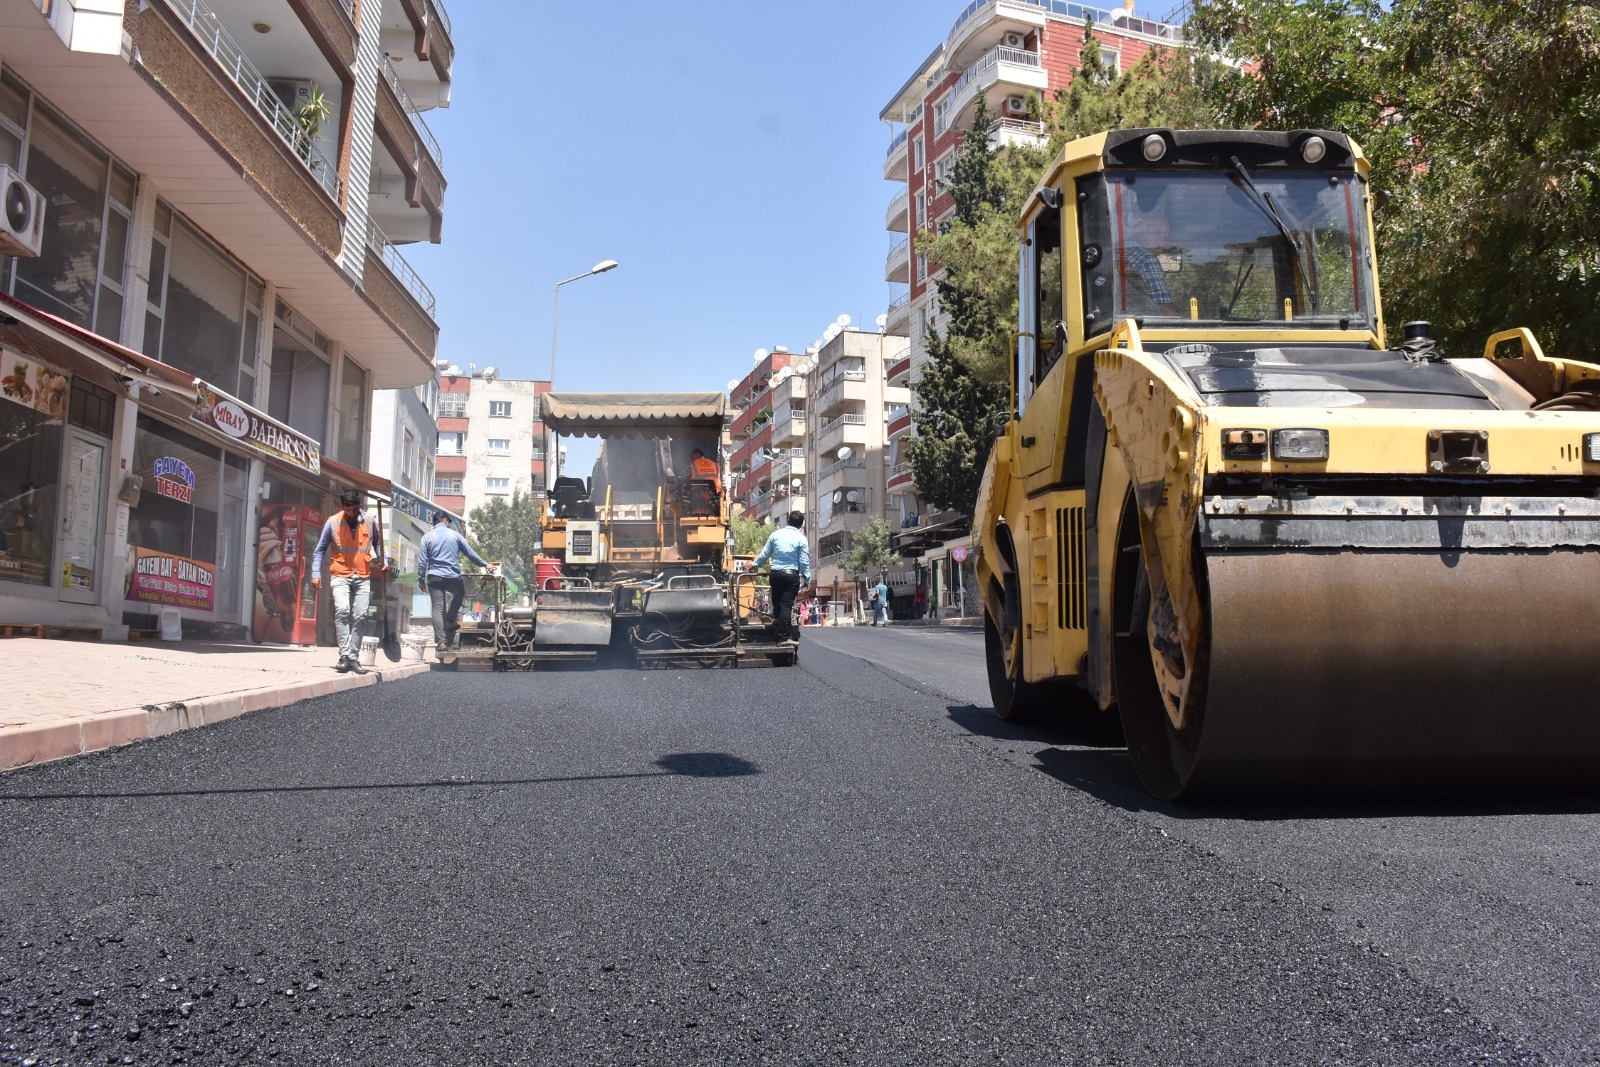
898, 321
840, 472
985, 22
999, 73
899, 371
901, 477
847, 390
408, 278
417, 35
791, 465
897, 268
899, 422
898, 217
795, 387
790, 431
1013, 131
894, 164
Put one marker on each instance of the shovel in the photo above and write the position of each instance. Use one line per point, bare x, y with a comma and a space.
391, 640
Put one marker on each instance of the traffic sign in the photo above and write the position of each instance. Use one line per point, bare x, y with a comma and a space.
959, 554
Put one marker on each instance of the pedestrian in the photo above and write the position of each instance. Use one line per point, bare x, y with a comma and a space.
880, 604
790, 555
439, 575
919, 603
357, 555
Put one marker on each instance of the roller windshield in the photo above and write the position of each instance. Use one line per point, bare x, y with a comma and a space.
1226, 249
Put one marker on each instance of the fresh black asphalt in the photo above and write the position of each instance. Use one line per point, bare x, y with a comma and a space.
843, 863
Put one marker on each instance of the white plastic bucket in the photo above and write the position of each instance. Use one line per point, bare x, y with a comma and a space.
171, 625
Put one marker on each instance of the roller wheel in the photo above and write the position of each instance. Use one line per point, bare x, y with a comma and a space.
1164, 756
1014, 699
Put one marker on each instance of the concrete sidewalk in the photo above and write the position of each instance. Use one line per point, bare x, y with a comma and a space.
67, 697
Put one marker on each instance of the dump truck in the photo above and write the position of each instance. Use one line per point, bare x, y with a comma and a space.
637, 560
1285, 551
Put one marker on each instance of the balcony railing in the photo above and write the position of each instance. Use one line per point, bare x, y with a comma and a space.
900, 301
896, 141
839, 465
851, 419
392, 76
955, 99
208, 31
1103, 19
444, 16
402, 270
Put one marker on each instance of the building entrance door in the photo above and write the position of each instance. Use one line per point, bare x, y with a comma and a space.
83, 512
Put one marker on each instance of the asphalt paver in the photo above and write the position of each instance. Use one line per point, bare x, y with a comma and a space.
814, 865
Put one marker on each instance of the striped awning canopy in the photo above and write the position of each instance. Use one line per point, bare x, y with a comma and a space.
628, 414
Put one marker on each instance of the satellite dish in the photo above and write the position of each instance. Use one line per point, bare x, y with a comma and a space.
842, 321
883, 320
796, 483
838, 495
490, 373
845, 452
852, 496
761, 354
783, 375
733, 383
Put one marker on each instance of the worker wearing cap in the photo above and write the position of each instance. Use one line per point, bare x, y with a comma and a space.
355, 552
790, 554
439, 574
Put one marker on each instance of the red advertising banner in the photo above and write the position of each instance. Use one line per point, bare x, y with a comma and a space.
172, 581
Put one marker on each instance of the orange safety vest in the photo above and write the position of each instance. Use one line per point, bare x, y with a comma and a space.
706, 470
350, 558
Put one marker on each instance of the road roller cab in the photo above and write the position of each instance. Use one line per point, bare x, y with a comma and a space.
1224, 505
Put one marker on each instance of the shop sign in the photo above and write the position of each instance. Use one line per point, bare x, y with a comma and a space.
175, 479
24, 382
265, 434
416, 507
169, 580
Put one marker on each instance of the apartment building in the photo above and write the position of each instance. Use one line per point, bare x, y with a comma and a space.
201, 288
1001, 50
403, 439
810, 435
492, 441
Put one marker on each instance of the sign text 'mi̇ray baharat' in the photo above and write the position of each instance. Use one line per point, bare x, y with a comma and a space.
265, 434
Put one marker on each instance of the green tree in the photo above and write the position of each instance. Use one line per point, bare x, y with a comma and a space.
871, 551
749, 534
507, 531
1482, 125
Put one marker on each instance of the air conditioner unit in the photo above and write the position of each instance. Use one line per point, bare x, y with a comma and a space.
21, 216
292, 93
1016, 105
1016, 40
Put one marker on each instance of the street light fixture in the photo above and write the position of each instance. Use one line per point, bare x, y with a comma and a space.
552, 459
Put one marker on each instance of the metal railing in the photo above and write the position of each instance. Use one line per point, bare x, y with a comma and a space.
444, 16
897, 141
849, 419
839, 465
955, 99
379, 243
207, 30
896, 249
1102, 18
898, 201
900, 301
392, 76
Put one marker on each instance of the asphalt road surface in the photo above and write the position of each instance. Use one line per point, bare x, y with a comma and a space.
850, 862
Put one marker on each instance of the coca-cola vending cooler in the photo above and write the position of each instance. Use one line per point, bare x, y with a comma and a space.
286, 602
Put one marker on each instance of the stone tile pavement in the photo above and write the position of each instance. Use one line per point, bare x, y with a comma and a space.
61, 698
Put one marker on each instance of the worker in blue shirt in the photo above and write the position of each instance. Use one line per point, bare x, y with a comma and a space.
439, 572
790, 555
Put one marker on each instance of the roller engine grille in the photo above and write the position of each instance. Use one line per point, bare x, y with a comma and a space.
1071, 584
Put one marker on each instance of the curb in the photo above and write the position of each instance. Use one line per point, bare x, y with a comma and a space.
25, 746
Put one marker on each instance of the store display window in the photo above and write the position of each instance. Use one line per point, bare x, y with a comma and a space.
172, 532
33, 402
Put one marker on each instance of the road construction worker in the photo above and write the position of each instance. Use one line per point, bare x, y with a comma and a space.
356, 554
705, 470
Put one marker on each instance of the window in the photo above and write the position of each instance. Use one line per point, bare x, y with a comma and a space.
198, 299
499, 409
1112, 59
452, 443
352, 413
298, 394
942, 168
498, 486
30, 441
443, 486
499, 446
452, 405
918, 150
922, 210
408, 459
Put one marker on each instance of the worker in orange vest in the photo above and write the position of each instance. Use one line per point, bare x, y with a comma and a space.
356, 554
704, 469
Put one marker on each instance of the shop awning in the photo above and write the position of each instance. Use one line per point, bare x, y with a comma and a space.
421, 511
597, 414
125, 359
343, 474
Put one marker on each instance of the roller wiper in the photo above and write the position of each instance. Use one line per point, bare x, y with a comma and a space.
1268, 208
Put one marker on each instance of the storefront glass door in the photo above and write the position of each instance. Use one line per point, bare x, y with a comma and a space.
82, 517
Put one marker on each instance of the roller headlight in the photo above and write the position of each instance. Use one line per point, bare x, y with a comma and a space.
1154, 147
1591, 447
1313, 149
1300, 445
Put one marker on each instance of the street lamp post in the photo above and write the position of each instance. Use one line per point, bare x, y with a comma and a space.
552, 458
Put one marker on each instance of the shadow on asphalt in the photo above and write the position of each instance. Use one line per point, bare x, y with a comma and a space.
675, 765
1089, 754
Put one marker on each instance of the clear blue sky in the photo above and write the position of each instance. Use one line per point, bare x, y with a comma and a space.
728, 156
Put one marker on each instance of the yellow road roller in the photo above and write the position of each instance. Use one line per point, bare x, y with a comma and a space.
1285, 550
